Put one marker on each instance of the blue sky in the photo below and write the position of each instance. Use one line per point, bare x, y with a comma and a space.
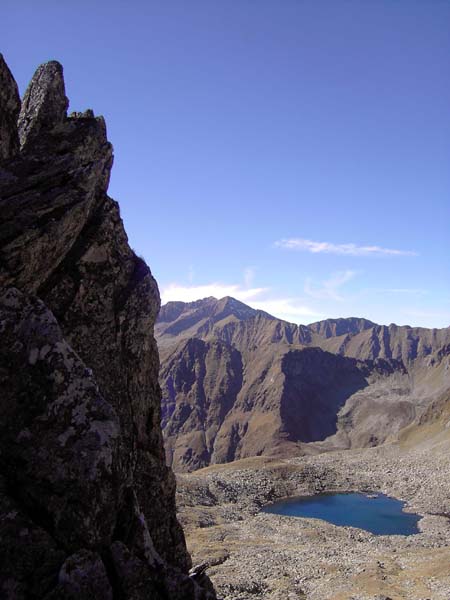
292, 154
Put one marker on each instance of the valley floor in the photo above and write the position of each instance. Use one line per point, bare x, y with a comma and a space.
256, 555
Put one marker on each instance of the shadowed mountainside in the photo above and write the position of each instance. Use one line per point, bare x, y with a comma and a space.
237, 382
87, 505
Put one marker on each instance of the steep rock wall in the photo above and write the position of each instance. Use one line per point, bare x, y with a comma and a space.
81, 453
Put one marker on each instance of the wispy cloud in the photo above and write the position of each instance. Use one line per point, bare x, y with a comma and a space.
433, 314
287, 308
350, 249
329, 289
191, 274
249, 276
405, 291
189, 293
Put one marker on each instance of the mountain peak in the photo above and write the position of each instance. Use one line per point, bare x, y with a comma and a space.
229, 305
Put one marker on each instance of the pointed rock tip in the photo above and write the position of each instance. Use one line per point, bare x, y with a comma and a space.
45, 103
9, 111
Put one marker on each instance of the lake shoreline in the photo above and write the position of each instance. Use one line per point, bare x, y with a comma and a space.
378, 514
220, 508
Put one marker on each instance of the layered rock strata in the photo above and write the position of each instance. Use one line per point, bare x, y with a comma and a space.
87, 503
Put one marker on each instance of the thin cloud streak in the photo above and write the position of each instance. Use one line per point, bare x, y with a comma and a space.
428, 314
411, 291
329, 289
249, 276
350, 249
288, 309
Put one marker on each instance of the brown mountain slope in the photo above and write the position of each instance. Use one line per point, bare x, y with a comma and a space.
232, 321
237, 382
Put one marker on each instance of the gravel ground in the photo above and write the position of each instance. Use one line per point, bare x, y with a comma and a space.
254, 555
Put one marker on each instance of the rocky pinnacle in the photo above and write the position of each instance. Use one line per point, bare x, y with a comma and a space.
44, 104
87, 504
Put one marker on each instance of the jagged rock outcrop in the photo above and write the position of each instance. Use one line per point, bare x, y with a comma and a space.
338, 383
45, 103
87, 503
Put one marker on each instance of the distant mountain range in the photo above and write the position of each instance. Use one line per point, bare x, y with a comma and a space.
238, 382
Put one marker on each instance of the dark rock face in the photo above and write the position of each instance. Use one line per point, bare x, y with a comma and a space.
201, 383
59, 402
44, 105
9, 111
317, 384
88, 505
337, 383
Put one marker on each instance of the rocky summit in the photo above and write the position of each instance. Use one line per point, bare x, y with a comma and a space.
87, 504
238, 382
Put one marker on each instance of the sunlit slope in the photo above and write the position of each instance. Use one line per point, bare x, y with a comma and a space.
237, 382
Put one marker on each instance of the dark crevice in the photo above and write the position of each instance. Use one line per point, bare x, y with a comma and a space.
122, 530
56, 213
139, 273
111, 573
35, 512
38, 184
69, 265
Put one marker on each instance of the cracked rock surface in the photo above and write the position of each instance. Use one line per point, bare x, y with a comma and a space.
87, 504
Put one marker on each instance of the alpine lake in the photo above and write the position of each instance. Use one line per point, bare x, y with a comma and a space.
377, 513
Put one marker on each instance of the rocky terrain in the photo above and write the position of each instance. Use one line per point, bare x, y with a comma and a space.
237, 382
87, 505
252, 555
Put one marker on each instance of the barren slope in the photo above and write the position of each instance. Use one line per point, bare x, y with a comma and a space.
238, 382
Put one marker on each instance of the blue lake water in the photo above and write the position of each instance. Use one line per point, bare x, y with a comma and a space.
381, 515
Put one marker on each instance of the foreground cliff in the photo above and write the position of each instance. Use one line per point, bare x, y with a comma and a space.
87, 503
237, 382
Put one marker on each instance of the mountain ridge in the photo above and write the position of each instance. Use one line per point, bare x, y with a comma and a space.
400, 369
211, 300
